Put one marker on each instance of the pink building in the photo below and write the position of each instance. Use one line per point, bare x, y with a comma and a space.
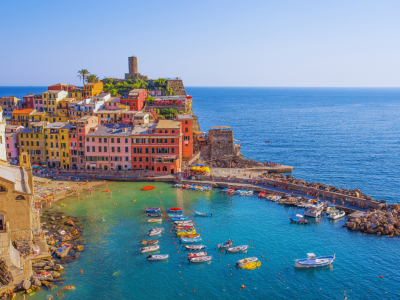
12, 143
83, 126
38, 102
112, 103
28, 101
127, 117
108, 147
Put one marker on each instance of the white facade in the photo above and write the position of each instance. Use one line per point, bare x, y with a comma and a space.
3, 153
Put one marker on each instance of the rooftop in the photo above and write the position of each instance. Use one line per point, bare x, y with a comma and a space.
92, 83
168, 124
184, 117
113, 99
16, 175
56, 125
38, 124
102, 95
53, 92
105, 111
131, 112
62, 84
135, 91
111, 130
24, 111
143, 129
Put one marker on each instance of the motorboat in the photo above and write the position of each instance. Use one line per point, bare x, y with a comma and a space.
179, 218
243, 192
231, 192
182, 233
190, 240
154, 220
242, 262
178, 185
157, 257
149, 242
336, 215
196, 235
330, 208
237, 249
299, 220
275, 198
149, 249
203, 214
154, 215
207, 188
180, 228
225, 190
198, 254
238, 192
175, 209
194, 247
225, 244
183, 222
249, 193
261, 195
152, 209
314, 262
201, 259
175, 215
314, 211
156, 231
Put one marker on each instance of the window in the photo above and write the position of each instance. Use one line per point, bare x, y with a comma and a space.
172, 141
126, 158
165, 141
112, 140
118, 140
105, 140
152, 150
172, 150
87, 148
112, 149
93, 149
2, 189
134, 159
140, 158
118, 149
166, 131
147, 158
19, 197
87, 139
147, 150
126, 141
99, 140
99, 148
92, 139
186, 122
105, 149
186, 129
126, 149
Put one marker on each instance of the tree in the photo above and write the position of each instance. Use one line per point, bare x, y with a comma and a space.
113, 92
150, 99
160, 82
82, 74
92, 78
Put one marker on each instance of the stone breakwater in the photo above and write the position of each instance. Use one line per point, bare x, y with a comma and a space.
64, 238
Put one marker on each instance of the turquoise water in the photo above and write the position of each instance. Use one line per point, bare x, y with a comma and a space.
115, 269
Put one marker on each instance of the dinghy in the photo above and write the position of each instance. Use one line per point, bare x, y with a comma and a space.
190, 240
299, 220
179, 218
237, 249
175, 209
157, 257
152, 209
180, 228
156, 231
199, 254
148, 243
175, 215
149, 249
182, 233
189, 236
225, 244
154, 220
194, 247
154, 215
201, 259
314, 262
261, 195
336, 215
183, 222
203, 214
242, 262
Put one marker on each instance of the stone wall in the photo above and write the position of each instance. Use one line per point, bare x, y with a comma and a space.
177, 86
221, 142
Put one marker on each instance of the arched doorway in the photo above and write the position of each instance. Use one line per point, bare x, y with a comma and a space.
165, 169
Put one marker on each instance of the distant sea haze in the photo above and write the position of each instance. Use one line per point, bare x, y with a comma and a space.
345, 137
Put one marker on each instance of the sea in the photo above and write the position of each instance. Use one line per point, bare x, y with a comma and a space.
346, 137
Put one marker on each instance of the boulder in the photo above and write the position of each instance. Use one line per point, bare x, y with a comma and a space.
36, 282
58, 267
52, 218
35, 288
55, 274
50, 263
79, 248
48, 268
69, 222
350, 225
39, 265
26, 284
28, 291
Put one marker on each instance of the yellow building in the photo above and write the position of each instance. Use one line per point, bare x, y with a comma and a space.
32, 141
93, 89
57, 144
51, 118
78, 94
51, 99
22, 117
62, 108
109, 116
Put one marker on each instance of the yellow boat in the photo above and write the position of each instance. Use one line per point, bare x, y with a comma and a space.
252, 265
191, 236
182, 233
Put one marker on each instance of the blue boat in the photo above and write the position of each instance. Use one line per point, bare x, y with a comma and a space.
175, 215
179, 218
152, 209
299, 220
203, 214
190, 240
225, 244
314, 262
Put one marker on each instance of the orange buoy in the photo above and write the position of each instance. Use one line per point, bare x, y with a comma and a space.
381, 276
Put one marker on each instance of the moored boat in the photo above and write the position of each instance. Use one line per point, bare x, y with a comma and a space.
179, 218
149, 242
299, 220
336, 215
313, 211
152, 209
242, 262
237, 249
190, 240
157, 257
174, 209
261, 195
149, 249
182, 233
175, 215
194, 247
155, 231
225, 244
198, 254
183, 222
196, 235
203, 214
154, 220
201, 259
314, 262
154, 215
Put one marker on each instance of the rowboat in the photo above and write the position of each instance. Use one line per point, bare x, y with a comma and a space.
225, 190
158, 257
154, 220
184, 227
201, 259
179, 218
249, 193
225, 244
237, 249
336, 215
182, 233
261, 195
175, 215
203, 214
174, 209
194, 247
156, 231
154, 215
183, 222
149, 249
191, 236
314, 262
242, 262
178, 185
299, 220
148, 243
190, 240
152, 209
199, 254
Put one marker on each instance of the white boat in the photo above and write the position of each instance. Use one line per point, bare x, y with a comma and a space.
175, 215
183, 222
149, 249
158, 257
275, 198
245, 261
201, 259
154, 220
314, 211
249, 193
237, 249
314, 262
156, 231
334, 215
194, 247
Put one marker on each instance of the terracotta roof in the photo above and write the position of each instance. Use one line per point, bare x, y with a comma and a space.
23, 111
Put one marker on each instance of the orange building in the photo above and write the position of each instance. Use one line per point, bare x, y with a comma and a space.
93, 89
187, 132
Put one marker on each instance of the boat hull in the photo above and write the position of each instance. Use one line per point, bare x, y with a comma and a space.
318, 262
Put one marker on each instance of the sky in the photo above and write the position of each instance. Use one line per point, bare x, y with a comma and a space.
296, 43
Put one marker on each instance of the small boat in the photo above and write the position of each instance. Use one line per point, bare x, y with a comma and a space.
190, 240
182, 233
148, 243
157, 257
299, 220
199, 254
180, 228
149, 249
152, 209
154, 215
225, 244
174, 209
194, 247
154, 220
237, 192
313, 211
179, 218
249, 193
336, 215
225, 190
314, 262
242, 262
201, 259
183, 222
275, 198
290, 203
175, 215
261, 195
148, 188
191, 236
237, 249
178, 185
203, 214
156, 231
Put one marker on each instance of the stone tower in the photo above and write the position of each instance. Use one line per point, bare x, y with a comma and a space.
133, 68
3, 154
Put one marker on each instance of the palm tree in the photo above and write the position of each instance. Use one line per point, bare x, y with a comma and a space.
82, 74
92, 78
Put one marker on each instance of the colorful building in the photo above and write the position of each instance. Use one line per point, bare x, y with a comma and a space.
9, 104
31, 140
28, 101
78, 94
38, 102
12, 143
51, 99
63, 105
136, 99
92, 89
57, 144
61, 87
187, 132
109, 116
113, 103
22, 117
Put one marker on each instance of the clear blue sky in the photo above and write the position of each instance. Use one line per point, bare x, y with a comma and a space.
208, 43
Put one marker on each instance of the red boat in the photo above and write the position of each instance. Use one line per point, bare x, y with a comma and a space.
175, 209
200, 254
261, 195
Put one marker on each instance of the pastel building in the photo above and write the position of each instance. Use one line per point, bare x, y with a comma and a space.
31, 140
51, 99
61, 87
28, 101
83, 127
38, 102
57, 144
113, 103
187, 132
92, 89
9, 104
136, 99
12, 148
